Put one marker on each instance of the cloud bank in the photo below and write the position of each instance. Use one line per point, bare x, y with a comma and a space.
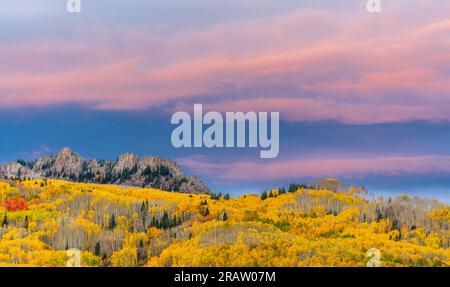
308, 64
317, 168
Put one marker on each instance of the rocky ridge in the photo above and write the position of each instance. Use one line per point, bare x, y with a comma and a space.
128, 169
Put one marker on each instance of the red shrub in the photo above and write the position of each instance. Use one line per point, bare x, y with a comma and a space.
15, 204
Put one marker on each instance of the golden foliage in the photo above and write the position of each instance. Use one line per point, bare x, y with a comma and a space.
118, 226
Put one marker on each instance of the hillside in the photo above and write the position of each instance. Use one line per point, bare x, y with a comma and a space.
128, 169
122, 226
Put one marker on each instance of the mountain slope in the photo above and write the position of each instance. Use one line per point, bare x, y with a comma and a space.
125, 226
128, 170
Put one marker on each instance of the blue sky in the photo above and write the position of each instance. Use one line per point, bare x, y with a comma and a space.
362, 97
33, 132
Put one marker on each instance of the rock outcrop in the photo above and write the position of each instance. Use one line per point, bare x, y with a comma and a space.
128, 169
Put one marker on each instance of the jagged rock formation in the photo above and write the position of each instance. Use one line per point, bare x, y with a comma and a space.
128, 169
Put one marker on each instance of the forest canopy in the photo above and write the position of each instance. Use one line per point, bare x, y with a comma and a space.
318, 225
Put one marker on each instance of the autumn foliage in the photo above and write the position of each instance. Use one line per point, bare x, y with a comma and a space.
16, 204
319, 225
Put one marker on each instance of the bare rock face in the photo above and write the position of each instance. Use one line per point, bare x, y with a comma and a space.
190, 184
128, 170
126, 161
14, 169
66, 164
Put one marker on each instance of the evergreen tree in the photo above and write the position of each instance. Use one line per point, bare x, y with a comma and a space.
165, 220
154, 223
5, 220
112, 222
25, 225
97, 249
293, 187
141, 252
264, 195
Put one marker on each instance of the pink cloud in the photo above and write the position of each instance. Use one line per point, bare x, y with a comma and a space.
310, 110
309, 65
301, 168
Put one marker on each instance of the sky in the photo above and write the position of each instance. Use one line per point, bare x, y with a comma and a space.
364, 97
